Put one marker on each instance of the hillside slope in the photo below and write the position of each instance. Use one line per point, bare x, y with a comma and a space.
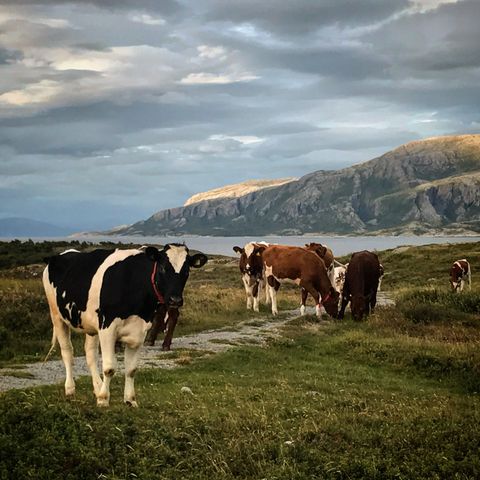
424, 186
236, 190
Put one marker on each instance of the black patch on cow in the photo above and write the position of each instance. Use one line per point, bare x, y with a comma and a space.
127, 290
71, 273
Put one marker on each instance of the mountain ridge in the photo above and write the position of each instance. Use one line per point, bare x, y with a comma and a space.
429, 185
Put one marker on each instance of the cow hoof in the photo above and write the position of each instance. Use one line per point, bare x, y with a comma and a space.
131, 403
103, 403
70, 392
165, 348
149, 343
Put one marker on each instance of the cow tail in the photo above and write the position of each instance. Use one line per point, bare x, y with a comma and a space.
52, 347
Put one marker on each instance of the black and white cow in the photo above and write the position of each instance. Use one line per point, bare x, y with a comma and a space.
112, 295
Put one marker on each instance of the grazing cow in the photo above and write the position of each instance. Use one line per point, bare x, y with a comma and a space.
339, 277
112, 295
282, 262
361, 283
458, 273
326, 254
251, 268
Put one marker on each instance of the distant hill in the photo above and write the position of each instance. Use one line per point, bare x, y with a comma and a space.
26, 227
427, 186
237, 190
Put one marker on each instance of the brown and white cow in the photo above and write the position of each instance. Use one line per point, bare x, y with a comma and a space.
326, 254
251, 268
361, 284
339, 277
282, 262
459, 272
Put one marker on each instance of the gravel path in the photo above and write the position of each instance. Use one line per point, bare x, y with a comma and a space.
252, 331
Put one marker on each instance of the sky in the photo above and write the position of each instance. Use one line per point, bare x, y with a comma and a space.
111, 110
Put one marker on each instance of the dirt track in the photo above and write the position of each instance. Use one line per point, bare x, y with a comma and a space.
252, 331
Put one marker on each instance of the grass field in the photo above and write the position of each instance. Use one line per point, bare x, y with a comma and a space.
397, 396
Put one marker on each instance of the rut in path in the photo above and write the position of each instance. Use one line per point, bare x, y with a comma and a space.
252, 331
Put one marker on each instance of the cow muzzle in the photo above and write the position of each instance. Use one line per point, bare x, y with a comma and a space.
175, 301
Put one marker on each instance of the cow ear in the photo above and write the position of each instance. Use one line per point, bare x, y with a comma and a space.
198, 260
321, 250
258, 250
239, 250
151, 253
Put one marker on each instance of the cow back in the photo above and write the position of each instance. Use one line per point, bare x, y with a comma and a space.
292, 262
362, 273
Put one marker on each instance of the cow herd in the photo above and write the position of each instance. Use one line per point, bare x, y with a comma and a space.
129, 296
312, 267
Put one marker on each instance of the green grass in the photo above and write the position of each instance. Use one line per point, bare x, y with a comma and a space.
394, 397
335, 401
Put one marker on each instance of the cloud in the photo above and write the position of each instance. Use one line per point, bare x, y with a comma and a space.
117, 109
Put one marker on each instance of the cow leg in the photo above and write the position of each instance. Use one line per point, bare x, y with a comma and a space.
267, 291
256, 296
248, 291
107, 339
308, 287
373, 301
172, 318
158, 325
345, 300
132, 354
304, 301
62, 332
273, 286
91, 354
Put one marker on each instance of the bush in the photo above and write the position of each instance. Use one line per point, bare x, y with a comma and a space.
432, 305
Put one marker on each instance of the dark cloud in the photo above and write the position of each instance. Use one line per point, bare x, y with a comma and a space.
116, 109
166, 7
297, 18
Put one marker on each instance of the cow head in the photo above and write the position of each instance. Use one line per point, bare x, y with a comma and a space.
323, 252
254, 258
331, 302
359, 306
251, 258
318, 248
172, 269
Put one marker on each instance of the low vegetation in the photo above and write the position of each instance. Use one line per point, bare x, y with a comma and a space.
397, 396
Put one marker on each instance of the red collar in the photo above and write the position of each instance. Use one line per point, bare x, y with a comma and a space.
327, 297
159, 296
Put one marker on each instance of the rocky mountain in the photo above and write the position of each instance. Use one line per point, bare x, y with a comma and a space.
427, 186
237, 190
